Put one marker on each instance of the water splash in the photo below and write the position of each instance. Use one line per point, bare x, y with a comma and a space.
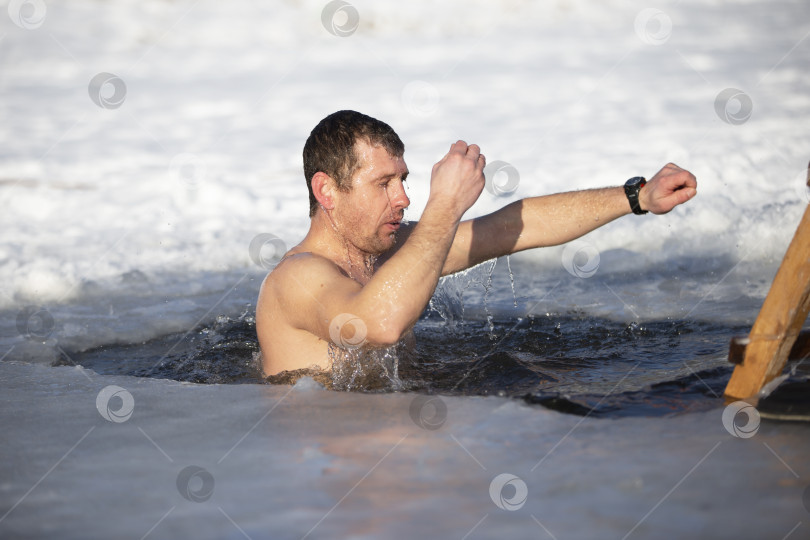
511, 280
448, 298
490, 326
365, 369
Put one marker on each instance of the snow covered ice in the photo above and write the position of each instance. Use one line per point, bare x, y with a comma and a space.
128, 211
288, 461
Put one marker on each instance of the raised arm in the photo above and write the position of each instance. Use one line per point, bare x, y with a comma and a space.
556, 219
397, 293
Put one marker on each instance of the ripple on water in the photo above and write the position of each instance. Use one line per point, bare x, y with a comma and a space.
568, 362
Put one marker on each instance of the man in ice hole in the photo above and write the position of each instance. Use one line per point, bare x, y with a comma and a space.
362, 277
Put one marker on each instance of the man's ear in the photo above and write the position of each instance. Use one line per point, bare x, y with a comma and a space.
323, 187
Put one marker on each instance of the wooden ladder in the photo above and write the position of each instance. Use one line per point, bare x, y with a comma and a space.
775, 336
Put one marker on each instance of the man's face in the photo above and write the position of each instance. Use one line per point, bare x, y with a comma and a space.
369, 215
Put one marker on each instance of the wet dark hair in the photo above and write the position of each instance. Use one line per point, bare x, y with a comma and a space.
330, 147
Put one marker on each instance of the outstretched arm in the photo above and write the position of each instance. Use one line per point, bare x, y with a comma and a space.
556, 219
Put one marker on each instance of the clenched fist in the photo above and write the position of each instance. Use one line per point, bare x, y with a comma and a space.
669, 187
458, 178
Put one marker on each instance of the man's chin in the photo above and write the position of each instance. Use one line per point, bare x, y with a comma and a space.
386, 242
392, 238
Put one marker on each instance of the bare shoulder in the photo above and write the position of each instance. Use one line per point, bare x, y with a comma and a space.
297, 275
299, 287
304, 261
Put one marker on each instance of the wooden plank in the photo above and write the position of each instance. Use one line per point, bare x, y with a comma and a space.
799, 352
801, 349
736, 349
779, 321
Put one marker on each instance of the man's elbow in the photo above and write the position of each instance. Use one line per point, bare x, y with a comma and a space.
374, 331
385, 337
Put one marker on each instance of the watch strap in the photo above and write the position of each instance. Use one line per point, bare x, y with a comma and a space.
631, 189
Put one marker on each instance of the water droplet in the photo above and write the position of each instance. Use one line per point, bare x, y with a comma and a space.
511, 280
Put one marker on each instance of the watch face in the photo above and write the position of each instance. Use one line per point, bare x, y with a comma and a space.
635, 181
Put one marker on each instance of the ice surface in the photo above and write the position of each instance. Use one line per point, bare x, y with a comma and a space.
288, 462
129, 223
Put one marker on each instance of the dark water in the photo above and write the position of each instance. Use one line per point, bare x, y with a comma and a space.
572, 362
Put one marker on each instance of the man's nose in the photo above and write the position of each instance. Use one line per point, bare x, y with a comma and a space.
398, 198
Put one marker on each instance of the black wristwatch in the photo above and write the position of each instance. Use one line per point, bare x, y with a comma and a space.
631, 189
